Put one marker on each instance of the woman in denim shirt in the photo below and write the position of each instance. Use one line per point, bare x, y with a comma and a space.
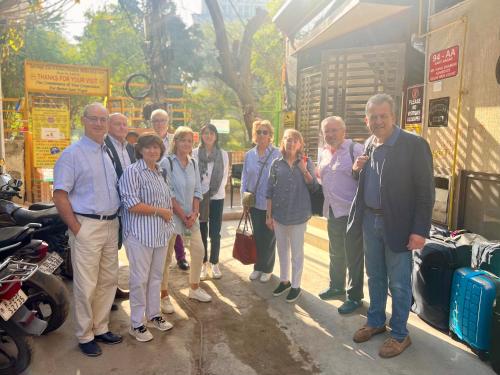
289, 209
184, 178
260, 157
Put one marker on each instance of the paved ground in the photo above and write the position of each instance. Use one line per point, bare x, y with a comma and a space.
247, 331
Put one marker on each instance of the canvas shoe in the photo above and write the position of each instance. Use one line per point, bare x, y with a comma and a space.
205, 268
159, 323
166, 305
216, 274
265, 277
141, 334
255, 275
293, 295
199, 295
282, 288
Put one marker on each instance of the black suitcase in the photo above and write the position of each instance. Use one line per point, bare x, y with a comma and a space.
432, 275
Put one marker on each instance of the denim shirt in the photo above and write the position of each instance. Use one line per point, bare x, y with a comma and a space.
251, 168
289, 192
184, 186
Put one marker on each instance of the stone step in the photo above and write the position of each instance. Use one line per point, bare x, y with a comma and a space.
316, 235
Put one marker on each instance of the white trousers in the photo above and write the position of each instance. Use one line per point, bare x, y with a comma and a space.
94, 257
290, 239
146, 272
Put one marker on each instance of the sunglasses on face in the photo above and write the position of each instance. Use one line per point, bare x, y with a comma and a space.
262, 132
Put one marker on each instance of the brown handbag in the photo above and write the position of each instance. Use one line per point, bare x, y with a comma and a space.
244, 248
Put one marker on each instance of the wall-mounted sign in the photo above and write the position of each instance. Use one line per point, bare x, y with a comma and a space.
438, 112
66, 79
289, 119
414, 101
221, 125
443, 64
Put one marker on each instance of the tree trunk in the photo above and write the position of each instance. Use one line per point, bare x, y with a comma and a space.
235, 62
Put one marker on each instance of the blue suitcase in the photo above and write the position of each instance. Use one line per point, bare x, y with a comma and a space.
473, 295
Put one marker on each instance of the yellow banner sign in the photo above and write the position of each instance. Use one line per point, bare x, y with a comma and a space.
50, 123
46, 153
66, 79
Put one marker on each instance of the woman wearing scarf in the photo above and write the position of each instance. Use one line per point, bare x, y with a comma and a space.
214, 169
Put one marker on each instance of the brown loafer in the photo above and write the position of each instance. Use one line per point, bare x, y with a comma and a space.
366, 332
392, 347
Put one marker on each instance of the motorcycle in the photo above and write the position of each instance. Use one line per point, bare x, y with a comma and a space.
52, 230
46, 293
17, 320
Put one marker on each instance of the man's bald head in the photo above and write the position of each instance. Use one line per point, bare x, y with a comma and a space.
118, 127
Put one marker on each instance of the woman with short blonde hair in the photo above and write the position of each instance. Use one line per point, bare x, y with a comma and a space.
262, 125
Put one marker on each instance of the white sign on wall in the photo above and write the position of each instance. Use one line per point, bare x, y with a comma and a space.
221, 125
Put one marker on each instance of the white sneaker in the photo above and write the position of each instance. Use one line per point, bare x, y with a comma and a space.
255, 275
141, 334
265, 277
159, 323
199, 295
205, 269
166, 305
216, 274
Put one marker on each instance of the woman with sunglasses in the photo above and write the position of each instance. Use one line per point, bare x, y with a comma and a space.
254, 179
289, 209
213, 163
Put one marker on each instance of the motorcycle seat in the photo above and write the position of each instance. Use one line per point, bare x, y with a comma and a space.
11, 235
41, 206
22, 216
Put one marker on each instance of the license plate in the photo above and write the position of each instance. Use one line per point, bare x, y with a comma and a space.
50, 263
10, 306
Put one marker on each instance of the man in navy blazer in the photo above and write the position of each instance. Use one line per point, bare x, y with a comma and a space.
392, 210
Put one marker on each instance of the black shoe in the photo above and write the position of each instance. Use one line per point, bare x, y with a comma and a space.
349, 306
183, 264
282, 288
331, 293
90, 348
293, 295
122, 294
109, 338
114, 307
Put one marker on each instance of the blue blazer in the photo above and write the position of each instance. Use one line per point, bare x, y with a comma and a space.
406, 190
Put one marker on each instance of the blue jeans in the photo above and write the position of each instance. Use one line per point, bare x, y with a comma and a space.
386, 268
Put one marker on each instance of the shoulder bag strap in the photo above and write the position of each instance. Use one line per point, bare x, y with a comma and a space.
262, 170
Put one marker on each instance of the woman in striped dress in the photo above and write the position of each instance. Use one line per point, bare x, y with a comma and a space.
147, 228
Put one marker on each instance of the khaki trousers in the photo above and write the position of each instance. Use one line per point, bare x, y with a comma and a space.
196, 251
94, 256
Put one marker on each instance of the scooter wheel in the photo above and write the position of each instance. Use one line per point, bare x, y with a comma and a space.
48, 296
15, 349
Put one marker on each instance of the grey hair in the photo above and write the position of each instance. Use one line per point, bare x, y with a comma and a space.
158, 111
327, 120
379, 99
94, 104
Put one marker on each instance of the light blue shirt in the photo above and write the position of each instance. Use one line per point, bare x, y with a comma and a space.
184, 186
85, 171
251, 168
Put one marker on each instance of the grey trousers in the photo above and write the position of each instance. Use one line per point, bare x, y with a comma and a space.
265, 242
345, 255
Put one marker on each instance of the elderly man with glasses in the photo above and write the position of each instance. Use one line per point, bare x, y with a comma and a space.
86, 196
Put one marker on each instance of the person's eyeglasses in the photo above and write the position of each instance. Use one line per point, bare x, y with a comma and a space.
262, 132
96, 119
159, 121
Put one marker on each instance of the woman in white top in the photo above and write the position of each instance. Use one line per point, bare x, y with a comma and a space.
214, 169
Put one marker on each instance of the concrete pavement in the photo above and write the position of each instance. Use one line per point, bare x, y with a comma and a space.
247, 331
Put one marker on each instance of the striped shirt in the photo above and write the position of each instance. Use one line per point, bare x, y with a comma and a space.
139, 184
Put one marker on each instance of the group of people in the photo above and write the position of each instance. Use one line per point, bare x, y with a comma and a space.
152, 196
378, 200
160, 197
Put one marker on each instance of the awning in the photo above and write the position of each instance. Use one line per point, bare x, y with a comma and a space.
348, 17
295, 13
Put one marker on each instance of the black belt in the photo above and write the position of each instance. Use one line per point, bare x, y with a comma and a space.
98, 217
375, 211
